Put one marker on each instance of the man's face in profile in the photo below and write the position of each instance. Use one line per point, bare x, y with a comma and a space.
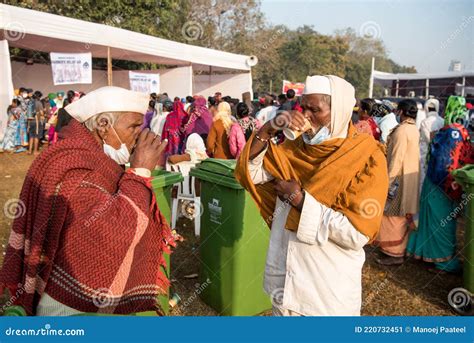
317, 109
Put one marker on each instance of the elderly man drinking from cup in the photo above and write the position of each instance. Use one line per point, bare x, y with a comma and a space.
89, 236
322, 193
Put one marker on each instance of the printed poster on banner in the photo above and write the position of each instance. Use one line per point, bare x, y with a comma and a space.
298, 87
145, 83
71, 69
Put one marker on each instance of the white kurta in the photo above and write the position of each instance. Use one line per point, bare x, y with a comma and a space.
158, 122
318, 270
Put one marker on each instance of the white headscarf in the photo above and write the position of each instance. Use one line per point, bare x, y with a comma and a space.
195, 148
342, 100
432, 103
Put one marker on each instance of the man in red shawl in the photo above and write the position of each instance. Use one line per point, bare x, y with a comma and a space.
91, 238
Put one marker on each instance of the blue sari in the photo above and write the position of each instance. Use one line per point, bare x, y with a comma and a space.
441, 201
10, 137
435, 239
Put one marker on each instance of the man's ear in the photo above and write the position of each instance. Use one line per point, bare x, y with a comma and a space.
103, 128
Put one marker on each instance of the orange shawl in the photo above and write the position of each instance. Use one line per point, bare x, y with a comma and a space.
348, 175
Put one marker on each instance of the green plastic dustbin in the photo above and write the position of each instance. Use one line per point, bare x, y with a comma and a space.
234, 241
162, 184
465, 177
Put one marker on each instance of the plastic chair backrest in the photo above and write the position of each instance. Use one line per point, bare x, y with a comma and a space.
187, 187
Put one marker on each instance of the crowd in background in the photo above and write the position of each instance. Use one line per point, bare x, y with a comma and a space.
424, 145
34, 120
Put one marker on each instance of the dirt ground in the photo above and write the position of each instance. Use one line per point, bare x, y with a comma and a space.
409, 289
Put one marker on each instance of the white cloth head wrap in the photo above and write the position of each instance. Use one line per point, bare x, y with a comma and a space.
342, 100
108, 99
432, 103
317, 84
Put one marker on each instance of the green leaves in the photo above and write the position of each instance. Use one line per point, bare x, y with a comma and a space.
236, 26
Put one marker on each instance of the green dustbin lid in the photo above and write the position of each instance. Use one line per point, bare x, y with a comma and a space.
217, 171
163, 178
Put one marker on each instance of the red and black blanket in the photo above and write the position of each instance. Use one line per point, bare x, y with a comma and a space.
87, 233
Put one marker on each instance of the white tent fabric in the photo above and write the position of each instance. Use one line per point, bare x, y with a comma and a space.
174, 81
380, 75
46, 32
6, 86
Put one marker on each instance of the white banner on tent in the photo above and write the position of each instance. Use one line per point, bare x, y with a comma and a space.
70, 69
145, 83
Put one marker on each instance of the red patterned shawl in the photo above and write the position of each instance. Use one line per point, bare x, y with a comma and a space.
89, 234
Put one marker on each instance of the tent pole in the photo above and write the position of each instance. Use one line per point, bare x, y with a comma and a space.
427, 89
210, 76
109, 67
463, 86
371, 82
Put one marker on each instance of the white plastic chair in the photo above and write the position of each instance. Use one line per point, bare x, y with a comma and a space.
186, 191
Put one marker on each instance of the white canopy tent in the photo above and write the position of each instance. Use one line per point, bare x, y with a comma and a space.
42, 31
193, 68
426, 84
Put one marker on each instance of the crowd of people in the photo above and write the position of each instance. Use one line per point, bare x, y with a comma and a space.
424, 145
34, 120
356, 156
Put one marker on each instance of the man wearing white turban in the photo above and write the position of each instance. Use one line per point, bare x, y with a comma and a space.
322, 195
91, 237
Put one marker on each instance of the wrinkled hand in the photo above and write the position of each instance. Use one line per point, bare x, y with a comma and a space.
289, 191
147, 151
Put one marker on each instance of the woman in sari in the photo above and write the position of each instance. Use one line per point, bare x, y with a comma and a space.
22, 130
10, 138
403, 157
173, 129
441, 198
218, 139
200, 119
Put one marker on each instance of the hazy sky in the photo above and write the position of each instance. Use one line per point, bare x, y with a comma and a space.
425, 33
